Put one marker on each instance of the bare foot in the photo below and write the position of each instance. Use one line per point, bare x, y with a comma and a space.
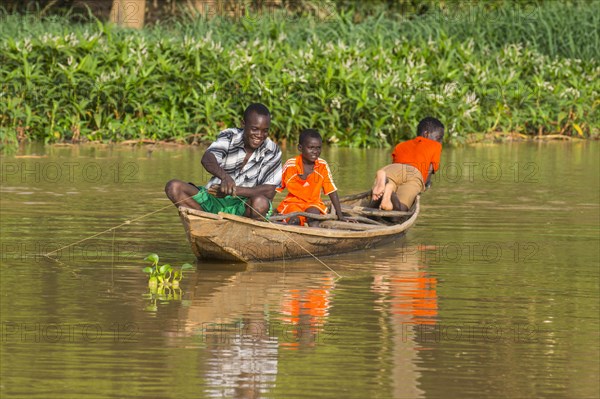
379, 185
386, 200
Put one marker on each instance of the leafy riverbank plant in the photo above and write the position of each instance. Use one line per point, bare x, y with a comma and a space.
533, 71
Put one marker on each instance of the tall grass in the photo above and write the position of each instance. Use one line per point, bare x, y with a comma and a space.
362, 84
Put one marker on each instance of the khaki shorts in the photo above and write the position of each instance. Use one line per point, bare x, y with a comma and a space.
408, 181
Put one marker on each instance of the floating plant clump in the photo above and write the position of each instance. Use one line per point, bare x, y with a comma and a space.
163, 281
165, 274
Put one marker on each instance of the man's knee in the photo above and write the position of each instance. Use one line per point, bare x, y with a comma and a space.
175, 189
259, 204
171, 188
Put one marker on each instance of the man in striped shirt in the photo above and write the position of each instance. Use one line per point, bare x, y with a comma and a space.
246, 169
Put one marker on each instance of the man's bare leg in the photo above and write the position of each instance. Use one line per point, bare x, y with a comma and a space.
181, 193
378, 185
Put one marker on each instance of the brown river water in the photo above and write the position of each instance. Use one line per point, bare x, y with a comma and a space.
493, 293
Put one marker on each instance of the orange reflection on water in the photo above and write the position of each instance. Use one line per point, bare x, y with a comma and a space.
306, 310
416, 297
408, 290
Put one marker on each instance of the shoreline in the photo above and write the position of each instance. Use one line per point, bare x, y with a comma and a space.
473, 138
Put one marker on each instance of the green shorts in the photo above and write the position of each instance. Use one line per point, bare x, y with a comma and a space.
228, 204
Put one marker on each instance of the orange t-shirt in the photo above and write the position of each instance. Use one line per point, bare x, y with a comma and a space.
420, 153
305, 192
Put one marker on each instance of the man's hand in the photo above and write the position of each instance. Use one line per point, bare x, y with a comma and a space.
227, 186
214, 189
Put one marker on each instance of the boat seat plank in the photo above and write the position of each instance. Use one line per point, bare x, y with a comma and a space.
353, 218
361, 210
336, 224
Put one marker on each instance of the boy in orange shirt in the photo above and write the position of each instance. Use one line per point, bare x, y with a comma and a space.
305, 176
397, 185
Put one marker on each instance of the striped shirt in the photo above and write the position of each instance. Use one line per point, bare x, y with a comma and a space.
263, 167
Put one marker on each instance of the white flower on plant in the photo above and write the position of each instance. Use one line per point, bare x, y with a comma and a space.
468, 45
570, 92
233, 64
306, 55
452, 129
471, 99
262, 86
438, 98
449, 88
27, 44
547, 86
335, 103
216, 47
472, 102
103, 78
329, 48
72, 39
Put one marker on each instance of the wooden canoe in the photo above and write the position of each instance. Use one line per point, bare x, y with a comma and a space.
236, 238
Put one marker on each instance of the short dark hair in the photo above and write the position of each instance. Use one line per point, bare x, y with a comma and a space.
431, 125
256, 108
309, 134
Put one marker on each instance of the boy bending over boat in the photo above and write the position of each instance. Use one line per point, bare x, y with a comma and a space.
246, 169
305, 176
397, 185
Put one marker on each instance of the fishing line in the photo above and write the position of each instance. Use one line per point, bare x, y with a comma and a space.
170, 205
289, 237
114, 227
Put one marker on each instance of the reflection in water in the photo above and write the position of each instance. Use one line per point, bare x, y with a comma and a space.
407, 298
306, 311
243, 318
243, 367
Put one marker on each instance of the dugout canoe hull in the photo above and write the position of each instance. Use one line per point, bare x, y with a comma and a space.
236, 238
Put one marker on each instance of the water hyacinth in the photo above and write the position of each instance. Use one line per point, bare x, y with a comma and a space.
363, 84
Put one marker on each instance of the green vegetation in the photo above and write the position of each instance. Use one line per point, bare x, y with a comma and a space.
526, 69
163, 281
165, 274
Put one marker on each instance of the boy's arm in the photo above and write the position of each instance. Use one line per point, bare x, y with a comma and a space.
335, 201
429, 174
